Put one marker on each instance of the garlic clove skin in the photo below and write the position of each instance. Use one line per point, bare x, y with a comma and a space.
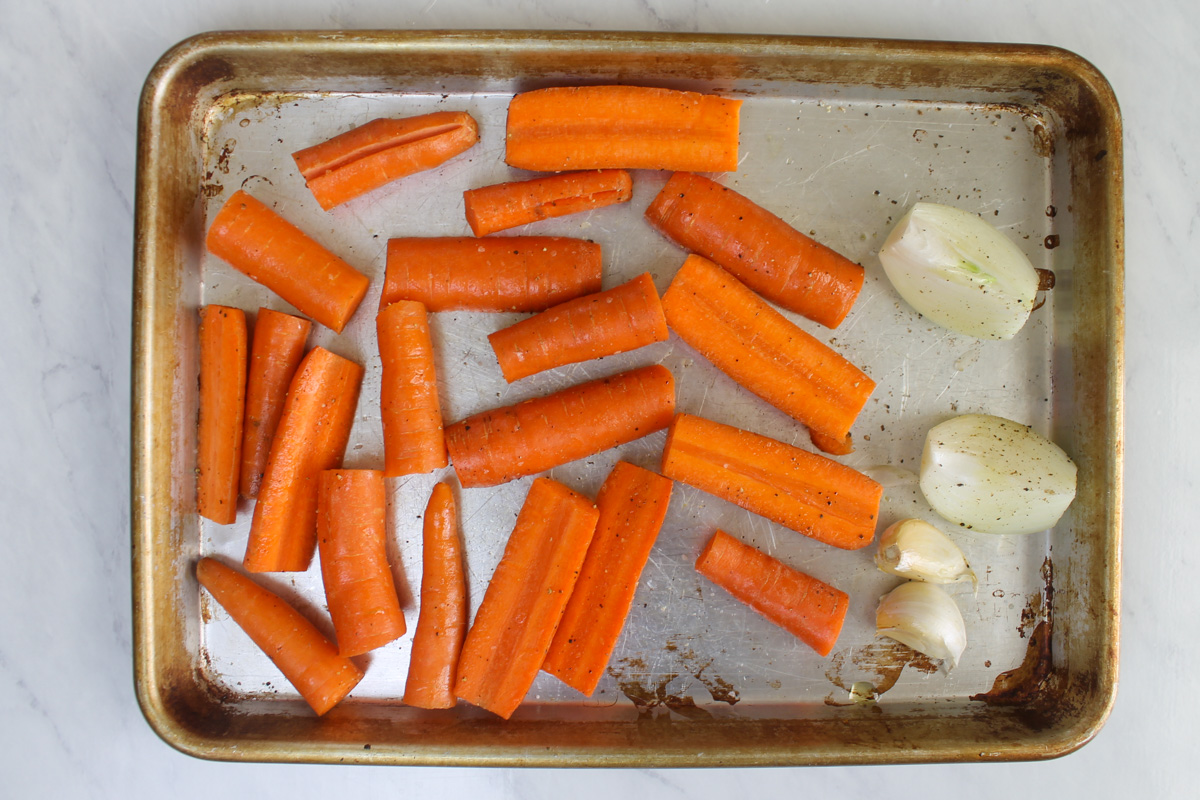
925, 618
914, 549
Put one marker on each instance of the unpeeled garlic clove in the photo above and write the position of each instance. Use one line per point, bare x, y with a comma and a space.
914, 549
925, 618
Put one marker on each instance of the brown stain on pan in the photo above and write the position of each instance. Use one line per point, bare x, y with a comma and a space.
879, 663
1023, 684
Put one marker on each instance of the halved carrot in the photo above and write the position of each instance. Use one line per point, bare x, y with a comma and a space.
506, 205
626, 127
760, 249
408, 394
808, 608
597, 325
305, 657
274, 356
222, 405
442, 625
312, 434
525, 599
808, 493
764, 351
272, 251
632, 505
517, 273
352, 537
511, 442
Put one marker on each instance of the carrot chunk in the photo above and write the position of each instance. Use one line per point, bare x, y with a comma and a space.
507, 205
412, 416
222, 405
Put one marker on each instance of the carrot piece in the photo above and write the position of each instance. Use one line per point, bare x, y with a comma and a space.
222, 404
442, 625
632, 505
270, 250
274, 356
631, 127
832, 445
525, 599
517, 273
763, 350
312, 434
809, 609
507, 205
412, 416
760, 249
510, 442
597, 325
808, 493
352, 537
381, 151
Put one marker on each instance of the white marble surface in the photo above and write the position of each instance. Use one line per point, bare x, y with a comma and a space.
71, 73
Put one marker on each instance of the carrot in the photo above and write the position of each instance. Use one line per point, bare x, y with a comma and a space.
760, 249
274, 356
222, 403
270, 250
832, 445
597, 325
762, 350
808, 493
507, 205
518, 273
381, 151
305, 657
313, 429
525, 599
632, 505
412, 416
511, 442
631, 127
809, 609
442, 625
352, 537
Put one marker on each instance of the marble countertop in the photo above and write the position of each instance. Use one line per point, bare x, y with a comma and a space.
72, 70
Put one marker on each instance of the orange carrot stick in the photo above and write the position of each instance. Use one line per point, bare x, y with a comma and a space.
507, 205
312, 434
412, 416
525, 599
511, 442
597, 325
274, 356
272, 251
761, 250
764, 351
630, 127
518, 273
809, 609
352, 537
381, 151
632, 505
800, 490
222, 404
442, 625
305, 657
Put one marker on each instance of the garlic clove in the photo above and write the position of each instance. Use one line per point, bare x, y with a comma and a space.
925, 618
914, 549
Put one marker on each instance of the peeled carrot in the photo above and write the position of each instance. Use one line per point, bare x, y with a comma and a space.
312, 434
412, 416
272, 251
222, 404
808, 493
305, 657
511, 442
525, 599
507, 205
597, 325
835, 446
381, 151
442, 625
629, 127
760, 249
764, 351
632, 505
274, 356
810, 609
517, 273
352, 537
